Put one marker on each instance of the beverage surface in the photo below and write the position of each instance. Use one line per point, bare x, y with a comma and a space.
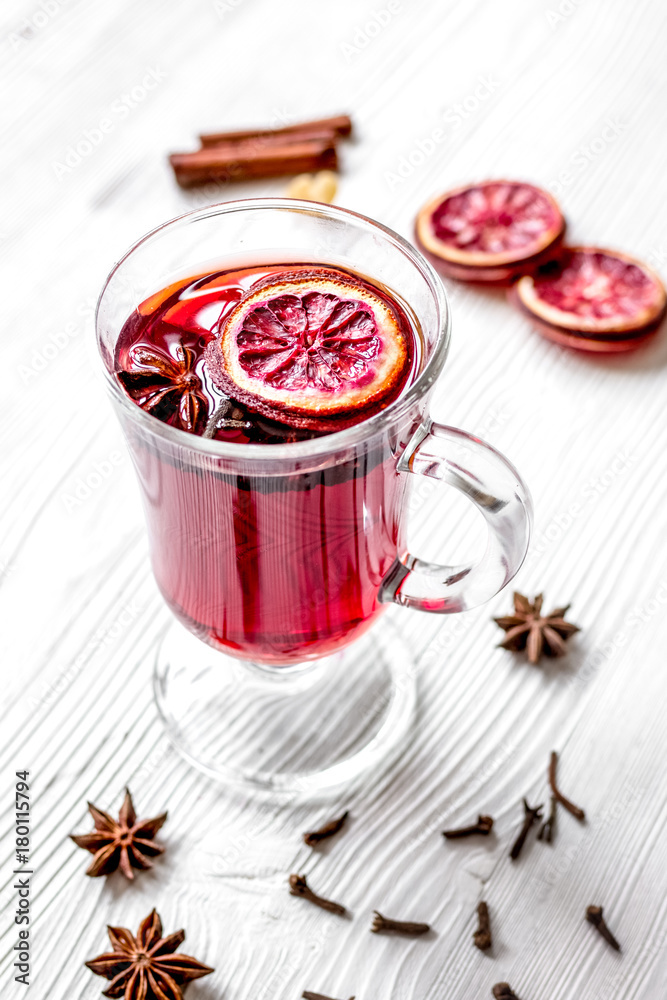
267, 354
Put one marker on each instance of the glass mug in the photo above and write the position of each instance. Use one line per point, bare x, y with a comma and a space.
281, 557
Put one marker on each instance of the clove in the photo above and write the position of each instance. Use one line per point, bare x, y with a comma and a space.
546, 830
482, 936
483, 826
565, 802
531, 814
299, 887
307, 995
594, 916
381, 924
503, 991
328, 830
220, 421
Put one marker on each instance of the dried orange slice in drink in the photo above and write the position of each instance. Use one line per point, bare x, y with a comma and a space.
312, 348
593, 299
491, 231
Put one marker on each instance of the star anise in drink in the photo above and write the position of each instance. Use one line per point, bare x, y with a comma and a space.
535, 632
167, 386
147, 967
125, 843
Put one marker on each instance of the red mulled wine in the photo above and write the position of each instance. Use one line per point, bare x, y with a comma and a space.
275, 568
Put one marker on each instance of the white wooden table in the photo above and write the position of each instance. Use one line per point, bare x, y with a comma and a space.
570, 96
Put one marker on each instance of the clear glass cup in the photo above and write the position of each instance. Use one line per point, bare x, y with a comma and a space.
282, 557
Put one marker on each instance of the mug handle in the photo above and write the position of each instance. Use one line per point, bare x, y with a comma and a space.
496, 489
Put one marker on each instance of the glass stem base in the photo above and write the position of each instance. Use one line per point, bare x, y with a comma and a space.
296, 733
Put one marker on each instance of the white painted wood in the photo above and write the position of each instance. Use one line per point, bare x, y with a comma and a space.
80, 609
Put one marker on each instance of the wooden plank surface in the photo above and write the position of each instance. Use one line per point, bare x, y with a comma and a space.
569, 95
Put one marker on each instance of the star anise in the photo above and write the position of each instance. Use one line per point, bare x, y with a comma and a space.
147, 967
126, 843
167, 386
529, 629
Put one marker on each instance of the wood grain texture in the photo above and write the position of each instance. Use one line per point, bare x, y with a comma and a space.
574, 99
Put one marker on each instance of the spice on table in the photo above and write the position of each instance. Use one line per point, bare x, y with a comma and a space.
503, 991
339, 125
482, 936
530, 816
245, 154
307, 995
269, 138
529, 629
226, 416
321, 186
126, 843
594, 916
248, 161
570, 806
546, 831
299, 887
381, 924
328, 830
167, 384
483, 826
147, 967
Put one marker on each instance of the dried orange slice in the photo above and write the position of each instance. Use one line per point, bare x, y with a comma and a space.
491, 231
312, 348
593, 299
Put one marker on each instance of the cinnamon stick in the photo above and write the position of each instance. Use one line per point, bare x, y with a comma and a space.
262, 140
245, 160
338, 125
